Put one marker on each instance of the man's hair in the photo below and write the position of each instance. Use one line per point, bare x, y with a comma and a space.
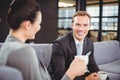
80, 13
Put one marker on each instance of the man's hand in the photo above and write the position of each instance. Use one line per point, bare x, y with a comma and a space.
92, 76
77, 68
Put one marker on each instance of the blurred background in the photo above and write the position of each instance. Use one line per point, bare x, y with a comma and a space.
57, 16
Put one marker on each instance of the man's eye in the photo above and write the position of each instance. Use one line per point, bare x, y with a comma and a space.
77, 25
85, 25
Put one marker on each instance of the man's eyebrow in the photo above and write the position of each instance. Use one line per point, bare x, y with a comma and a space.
77, 23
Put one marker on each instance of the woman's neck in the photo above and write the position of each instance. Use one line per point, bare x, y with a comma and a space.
19, 35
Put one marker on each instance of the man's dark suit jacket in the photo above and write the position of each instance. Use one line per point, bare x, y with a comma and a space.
63, 52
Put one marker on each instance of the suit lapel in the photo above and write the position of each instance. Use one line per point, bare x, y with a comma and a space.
84, 46
72, 44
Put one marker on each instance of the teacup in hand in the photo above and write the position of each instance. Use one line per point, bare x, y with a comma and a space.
103, 75
83, 57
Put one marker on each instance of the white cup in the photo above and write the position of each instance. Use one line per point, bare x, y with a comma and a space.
83, 57
102, 75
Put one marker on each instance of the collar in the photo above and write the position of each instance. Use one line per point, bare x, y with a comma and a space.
76, 41
12, 38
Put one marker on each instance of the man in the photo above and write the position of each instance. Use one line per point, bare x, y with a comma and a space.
65, 49
24, 21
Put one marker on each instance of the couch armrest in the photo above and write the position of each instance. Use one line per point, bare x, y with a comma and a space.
106, 51
9, 73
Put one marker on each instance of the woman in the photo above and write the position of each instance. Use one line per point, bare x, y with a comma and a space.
24, 20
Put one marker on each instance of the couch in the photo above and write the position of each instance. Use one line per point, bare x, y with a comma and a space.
107, 56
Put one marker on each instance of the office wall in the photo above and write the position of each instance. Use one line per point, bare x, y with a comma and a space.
4, 5
48, 32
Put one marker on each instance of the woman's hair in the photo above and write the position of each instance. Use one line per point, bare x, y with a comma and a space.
22, 11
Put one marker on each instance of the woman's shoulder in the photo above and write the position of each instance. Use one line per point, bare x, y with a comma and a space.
27, 48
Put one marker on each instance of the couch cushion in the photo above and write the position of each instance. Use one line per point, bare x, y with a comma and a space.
106, 51
43, 52
10, 73
113, 76
113, 67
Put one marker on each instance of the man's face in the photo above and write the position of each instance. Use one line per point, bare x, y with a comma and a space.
80, 26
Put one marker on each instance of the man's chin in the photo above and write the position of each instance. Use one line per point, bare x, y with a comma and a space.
80, 38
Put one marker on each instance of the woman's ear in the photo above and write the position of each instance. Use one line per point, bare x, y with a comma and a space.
27, 24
